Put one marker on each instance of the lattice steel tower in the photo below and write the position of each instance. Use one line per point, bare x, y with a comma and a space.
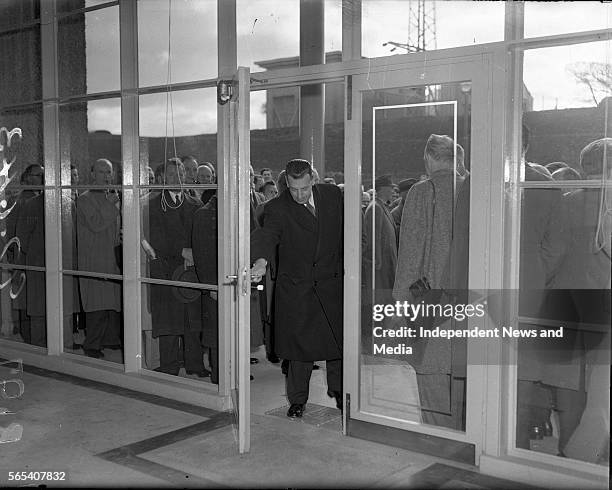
422, 25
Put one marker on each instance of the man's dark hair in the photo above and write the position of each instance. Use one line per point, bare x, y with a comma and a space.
297, 168
267, 184
28, 171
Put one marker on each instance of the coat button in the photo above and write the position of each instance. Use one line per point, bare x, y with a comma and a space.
315, 284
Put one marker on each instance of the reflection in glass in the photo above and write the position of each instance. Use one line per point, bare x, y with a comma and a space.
414, 232
428, 26
94, 66
563, 384
89, 131
192, 51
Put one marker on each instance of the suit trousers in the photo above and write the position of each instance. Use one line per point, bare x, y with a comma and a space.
169, 352
103, 328
298, 378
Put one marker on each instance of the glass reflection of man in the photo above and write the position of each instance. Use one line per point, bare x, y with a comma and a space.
98, 212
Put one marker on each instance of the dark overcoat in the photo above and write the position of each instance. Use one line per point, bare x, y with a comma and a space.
308, 292
204, 244
169, 232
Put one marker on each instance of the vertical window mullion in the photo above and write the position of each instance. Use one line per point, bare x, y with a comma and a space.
130, 151
53, 279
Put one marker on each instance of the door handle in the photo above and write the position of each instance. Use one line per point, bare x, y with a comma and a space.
233, 280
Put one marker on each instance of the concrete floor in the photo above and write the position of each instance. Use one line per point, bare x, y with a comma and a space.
101, 435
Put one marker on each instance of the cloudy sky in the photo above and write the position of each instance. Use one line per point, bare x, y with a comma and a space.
269, 29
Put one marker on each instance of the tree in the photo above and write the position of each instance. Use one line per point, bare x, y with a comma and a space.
596, 76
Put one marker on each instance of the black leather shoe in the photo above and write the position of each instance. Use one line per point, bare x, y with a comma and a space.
252, 378
338, 396
296, 410
273, 358
203, 373
254, 360
315, 367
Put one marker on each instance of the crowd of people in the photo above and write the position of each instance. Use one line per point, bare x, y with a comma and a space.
415, 247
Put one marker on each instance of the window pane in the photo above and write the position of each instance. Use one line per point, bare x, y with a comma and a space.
405, 25
28, 149
21, 52
544, 18
192, 54
23, 298
89, 131
88, 46
564, 380
16, 12
182, 123
68, 5
564, 94
26, 176
415, 218
269, 33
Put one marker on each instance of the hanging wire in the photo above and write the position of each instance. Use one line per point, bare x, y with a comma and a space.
170, 118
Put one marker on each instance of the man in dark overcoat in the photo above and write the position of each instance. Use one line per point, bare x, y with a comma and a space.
170, 224
305, 223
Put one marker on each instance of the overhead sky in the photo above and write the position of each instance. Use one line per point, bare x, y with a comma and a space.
269, 29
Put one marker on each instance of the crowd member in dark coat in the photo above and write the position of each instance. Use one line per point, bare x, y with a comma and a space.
32, 175
305, 224
204, 241
31, 233
170, 225
540, 255
396, 212
379, 255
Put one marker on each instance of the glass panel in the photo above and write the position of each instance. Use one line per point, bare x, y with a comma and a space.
88, 52
269, 33
192, 53
89, 131
275, 137
180, 329
93, 321
413, 171
69, 5
564, 379
92, 226
24, 178
23, 294
401, 26
16, 12
544, 19
178, 124
564, 107
21, 59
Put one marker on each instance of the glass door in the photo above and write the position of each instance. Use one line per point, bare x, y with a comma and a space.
237, 261
420, 135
